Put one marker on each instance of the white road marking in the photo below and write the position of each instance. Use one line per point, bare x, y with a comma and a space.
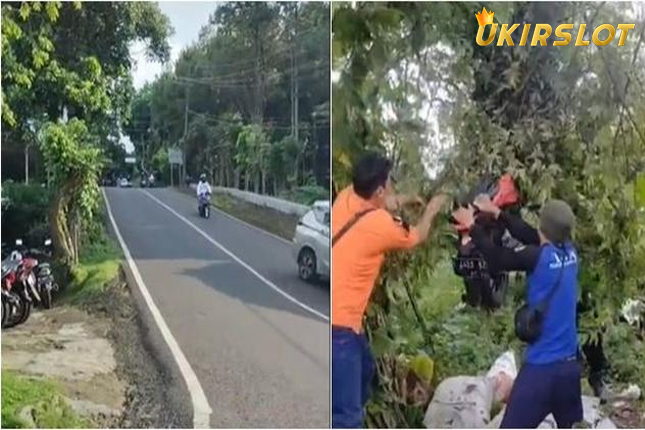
201, 408
236, 258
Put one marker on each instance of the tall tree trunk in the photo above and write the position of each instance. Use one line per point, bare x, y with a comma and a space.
61, 240
264, 182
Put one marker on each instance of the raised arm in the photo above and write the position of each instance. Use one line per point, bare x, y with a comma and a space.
516, 226
499, 258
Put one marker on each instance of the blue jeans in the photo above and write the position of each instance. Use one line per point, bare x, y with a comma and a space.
352, 374
543, 389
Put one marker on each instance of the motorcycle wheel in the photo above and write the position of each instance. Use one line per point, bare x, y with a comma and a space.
473, 293
6, 312
46, 297
13, 312
24, 311
207, 212
494, 296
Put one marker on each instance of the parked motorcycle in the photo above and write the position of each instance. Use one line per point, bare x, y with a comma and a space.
19, 289
204, 207
46, 284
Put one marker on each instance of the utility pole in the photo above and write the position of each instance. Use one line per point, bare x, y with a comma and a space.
183, 151
27, 164
295, 71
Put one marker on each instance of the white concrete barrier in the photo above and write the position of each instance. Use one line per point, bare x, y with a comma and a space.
275, 203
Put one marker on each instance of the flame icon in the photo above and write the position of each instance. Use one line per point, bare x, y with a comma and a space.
484, 17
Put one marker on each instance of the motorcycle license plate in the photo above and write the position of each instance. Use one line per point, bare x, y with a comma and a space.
472, 264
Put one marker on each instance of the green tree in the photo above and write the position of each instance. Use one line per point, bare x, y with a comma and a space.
71, 61
243, 70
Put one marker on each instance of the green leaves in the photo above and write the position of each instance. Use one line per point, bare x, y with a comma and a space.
553, 118
423, 366
52, 10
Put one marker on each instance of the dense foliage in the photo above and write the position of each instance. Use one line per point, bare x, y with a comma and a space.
66, 91
566, 122
248, 102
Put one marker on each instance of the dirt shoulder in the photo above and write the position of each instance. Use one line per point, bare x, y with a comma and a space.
87, 364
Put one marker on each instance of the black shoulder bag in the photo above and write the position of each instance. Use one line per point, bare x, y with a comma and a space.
528, 320
349, 225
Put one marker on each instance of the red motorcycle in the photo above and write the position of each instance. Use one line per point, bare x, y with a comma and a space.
19, 288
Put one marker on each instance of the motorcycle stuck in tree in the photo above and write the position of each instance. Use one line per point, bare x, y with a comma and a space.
484, 287
204, 205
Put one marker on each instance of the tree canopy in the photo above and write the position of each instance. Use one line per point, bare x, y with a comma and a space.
248, 101
66, 85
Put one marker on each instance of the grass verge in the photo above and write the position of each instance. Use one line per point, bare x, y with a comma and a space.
99, 264
49, 407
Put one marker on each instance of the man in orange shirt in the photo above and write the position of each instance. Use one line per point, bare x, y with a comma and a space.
363, 230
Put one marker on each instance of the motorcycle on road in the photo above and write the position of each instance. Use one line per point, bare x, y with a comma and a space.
204, 207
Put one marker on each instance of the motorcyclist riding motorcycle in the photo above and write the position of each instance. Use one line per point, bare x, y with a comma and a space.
203, 187
203, 196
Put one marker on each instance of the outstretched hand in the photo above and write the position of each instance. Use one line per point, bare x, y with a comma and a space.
465, 216
485, 204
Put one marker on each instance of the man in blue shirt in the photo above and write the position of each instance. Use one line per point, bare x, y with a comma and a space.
549, 380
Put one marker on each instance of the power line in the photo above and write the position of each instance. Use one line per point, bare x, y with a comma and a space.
301, 36
229, 78
307, 71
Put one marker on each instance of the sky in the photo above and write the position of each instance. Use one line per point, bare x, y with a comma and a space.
187, 18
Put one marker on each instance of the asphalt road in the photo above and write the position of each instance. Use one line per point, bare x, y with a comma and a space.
261, 359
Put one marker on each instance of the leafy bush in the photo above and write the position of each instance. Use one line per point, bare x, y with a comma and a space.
626, 354
306, 195
25, 213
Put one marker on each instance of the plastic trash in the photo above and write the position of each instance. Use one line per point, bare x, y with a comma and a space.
606, 423
461, 402
633, 311
503, 372
590, 410
632, 392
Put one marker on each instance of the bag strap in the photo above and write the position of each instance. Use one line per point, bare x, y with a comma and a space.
544, 306
349, 225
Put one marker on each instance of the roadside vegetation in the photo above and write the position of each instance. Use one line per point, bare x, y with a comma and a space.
66, 93
565, 122
28, 402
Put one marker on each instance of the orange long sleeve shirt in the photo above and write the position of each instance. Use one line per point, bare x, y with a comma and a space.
358, 256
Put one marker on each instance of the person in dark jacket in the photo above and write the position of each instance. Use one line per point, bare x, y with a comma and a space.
549, 379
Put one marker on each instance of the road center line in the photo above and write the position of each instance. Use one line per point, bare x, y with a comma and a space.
201, 408
236, 258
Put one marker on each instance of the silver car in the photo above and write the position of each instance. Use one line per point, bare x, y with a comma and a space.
311, 242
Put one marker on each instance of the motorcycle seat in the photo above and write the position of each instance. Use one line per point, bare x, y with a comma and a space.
8, 265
